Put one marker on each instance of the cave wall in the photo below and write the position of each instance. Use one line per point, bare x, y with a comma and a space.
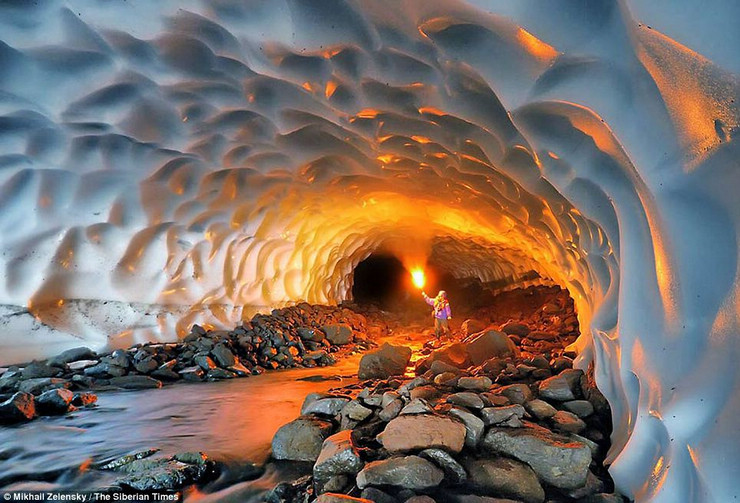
164, 163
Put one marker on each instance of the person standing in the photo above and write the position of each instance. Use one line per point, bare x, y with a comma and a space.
441, 312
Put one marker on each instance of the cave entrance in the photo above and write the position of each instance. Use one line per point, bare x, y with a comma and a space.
380, 279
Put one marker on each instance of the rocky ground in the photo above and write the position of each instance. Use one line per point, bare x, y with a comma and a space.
497, 414
299, 336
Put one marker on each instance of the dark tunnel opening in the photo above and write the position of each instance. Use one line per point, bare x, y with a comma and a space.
381, 280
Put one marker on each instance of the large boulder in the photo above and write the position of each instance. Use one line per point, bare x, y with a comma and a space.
557, 460
505, 477
301, 439
384, 362
423, 431
17, 408
161, 474
339, 456
409, 472
471, 326
490, 344
338, 333
455, 355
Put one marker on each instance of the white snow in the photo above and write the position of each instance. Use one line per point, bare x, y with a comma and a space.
171, 162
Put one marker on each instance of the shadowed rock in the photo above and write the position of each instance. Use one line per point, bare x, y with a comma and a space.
384, 362
506, 477
409, 472
301, 439
19, 407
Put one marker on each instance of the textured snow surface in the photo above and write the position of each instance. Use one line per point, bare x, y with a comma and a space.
169, 162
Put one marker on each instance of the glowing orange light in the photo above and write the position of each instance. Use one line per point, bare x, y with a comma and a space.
417, 276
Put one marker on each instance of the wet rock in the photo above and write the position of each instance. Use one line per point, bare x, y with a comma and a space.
471, 326
170, 473
72, 355
490, 344
581, 408
339, 333
466, 399
410, 472
338, 456
384, 362
481, 383
326, 406
40, 384
557, 460
454, 472
223, 356
517, 393
84, 399
135, 382
301, 439
505, 477
17, 408
567, 422
510, 414
194, 373
411, 432
474, 426
540, 409
54, 401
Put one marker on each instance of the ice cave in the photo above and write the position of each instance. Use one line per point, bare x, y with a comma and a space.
171, 163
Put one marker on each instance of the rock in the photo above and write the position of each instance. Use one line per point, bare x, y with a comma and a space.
447, 379
490, 344
423, 431
568, 422
327, 406
339, 333
518, 329
466, 399
166, 374
335, 484
135, 382
427, 392
454, 354
84, 399
498, 415
218, 373
474, 498
557, 460
556, 388
38, 369
581, 408
391, 410
406, 388
54, 401
454, 472
205, 362
356, 411
561, 363
474, 426
421, 498
593, 485
311, 334
410, 472
17, 408
239, 369
338, 456
481, 383
72, 355
384, 362
104, 370
377, 496
471, 326
517, 393
171, 473
119, 358
540, 409
417, 406
505, 477
301, 439
39, 384
146, 365
223, 356
603, 498
339, 498
438, 367
194, 373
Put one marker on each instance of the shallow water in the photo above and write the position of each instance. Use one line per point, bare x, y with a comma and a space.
233, 421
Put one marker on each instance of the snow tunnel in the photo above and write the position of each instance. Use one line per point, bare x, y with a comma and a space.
172, 162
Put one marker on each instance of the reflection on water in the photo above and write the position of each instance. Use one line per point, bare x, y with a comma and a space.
233, 421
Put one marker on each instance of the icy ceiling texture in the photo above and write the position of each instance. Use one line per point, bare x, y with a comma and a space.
168, 162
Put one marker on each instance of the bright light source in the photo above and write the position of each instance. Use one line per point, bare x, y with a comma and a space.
417, 276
